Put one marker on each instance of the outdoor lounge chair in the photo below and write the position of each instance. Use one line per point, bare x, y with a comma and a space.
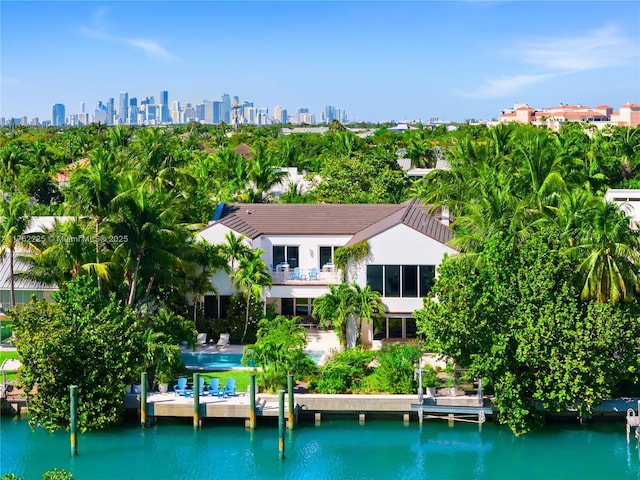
201, 341
313, 274
297, 275
181, 387
223, 341
201, 388
214, 387
230, 388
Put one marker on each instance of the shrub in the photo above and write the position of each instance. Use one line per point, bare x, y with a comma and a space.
396, 365
345, 371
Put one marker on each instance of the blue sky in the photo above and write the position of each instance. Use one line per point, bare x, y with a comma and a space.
377, 60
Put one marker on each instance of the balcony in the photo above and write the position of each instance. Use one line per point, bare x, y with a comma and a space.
282, 274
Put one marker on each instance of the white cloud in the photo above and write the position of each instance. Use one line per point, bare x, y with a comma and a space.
602, 48
554, 57
151, 48
505, 86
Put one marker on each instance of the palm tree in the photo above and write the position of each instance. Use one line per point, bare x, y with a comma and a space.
334, 309
59, 254
369, 308
14, 219
607, 251
234, 249
92, 190
251, 277
148, 235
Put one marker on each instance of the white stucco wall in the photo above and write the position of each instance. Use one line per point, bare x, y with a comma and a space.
400, 245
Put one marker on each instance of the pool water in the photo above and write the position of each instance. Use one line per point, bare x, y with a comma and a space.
337, 449
225, 361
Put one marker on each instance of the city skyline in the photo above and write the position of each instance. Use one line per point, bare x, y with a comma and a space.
376, 60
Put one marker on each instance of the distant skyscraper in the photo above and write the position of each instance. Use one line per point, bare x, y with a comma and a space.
163, 110
123, 107
57, 115
111, 111
82, 107
225, 114
133, 111
330, 114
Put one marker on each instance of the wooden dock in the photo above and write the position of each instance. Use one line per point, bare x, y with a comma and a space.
311, 405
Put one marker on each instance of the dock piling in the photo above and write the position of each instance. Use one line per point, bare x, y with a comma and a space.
196, 400
143, 399
281, 424
252, 401
73, 394
291, 421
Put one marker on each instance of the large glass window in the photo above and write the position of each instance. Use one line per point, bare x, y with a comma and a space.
278, 254
216, 306
392, 281
375, 275
427, 275
326, 255
286, 253
409, 281
287, 306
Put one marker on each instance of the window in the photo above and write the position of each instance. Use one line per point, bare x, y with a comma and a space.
427, 274
375, 274
392, 281
216, 306
408, 281
286, 253
287, 306
326, 255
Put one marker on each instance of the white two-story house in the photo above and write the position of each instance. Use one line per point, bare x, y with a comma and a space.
406, 245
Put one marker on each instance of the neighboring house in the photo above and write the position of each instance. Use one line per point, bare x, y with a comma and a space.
406, 246
629, 202
23, 287
554, 117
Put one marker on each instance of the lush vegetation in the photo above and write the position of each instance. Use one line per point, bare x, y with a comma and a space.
543, 299
389, 370
278, 352
540, 302
92, 341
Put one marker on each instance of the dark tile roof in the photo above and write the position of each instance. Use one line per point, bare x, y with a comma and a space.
359, 220
414, 215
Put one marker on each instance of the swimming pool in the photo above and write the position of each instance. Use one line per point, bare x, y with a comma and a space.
226, 361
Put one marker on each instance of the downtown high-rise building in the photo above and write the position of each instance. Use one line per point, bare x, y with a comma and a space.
123, 108
57, 115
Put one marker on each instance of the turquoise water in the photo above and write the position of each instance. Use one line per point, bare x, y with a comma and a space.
223, 361
337, 449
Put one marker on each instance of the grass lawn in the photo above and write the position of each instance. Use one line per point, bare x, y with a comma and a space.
10, 376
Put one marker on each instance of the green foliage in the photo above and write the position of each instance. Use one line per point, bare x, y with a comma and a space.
396, 366
82, 339
513, 316
345, 371
57, 474
354, 253
279, 351
236, 320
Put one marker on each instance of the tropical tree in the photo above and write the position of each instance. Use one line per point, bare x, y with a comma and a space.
607, 251
92, 189
234, 250
14, 219
278, 351
369, 309
334, 309
250, 279
148, 237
